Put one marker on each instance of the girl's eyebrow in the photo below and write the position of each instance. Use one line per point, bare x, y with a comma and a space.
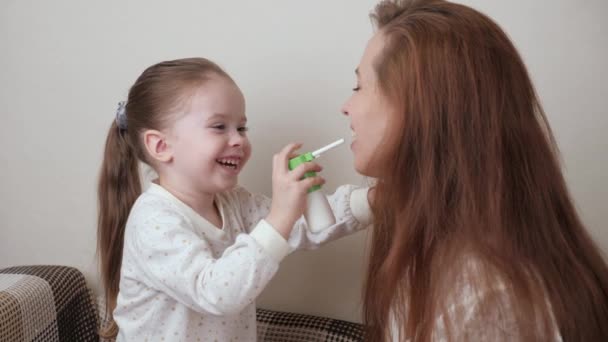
225, 116
216, 116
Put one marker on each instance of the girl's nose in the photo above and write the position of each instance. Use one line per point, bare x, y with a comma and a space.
237, 138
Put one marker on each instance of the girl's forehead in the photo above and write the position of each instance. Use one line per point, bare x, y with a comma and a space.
214, 98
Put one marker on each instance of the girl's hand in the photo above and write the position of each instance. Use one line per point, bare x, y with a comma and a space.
289, 190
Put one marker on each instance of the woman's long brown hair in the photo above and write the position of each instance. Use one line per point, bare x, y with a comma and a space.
474, 173
160, 90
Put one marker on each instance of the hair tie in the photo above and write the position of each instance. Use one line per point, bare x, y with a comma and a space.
121, 116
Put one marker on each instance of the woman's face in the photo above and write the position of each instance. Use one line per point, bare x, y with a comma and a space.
367, 109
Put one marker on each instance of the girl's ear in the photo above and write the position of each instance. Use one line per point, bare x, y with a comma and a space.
157, 146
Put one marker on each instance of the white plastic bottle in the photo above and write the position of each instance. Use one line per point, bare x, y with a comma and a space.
318, 213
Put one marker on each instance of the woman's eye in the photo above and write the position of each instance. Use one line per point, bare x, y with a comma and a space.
219, 126
243, 129
356, 88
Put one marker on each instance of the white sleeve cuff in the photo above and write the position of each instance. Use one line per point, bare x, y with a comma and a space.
272, 242
359, 205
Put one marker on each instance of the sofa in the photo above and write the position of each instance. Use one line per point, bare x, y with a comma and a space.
53, 303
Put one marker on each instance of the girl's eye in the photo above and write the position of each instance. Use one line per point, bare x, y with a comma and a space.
356, 88
243, 129
219, 126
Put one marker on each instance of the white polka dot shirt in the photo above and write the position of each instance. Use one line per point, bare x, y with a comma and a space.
183, 279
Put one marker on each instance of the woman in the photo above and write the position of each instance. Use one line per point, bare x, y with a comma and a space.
476, 236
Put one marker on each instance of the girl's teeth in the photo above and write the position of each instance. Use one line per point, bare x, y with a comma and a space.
229, 162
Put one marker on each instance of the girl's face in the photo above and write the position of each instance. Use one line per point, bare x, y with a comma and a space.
209, 142
368, 110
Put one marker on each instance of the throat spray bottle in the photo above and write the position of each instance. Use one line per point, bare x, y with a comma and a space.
318, 213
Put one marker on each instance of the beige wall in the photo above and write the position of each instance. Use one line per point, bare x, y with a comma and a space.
65, 65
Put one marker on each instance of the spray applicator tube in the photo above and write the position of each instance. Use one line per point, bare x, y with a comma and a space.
318, 213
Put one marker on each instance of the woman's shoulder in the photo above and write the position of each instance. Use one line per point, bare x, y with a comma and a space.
480, 303
469, 283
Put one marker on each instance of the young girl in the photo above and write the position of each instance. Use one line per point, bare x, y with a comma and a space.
185, 260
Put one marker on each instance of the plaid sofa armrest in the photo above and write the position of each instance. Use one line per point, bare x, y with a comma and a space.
276, 326
46, 303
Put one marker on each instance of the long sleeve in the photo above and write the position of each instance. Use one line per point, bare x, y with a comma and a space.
349, 204
183, 279
172, 258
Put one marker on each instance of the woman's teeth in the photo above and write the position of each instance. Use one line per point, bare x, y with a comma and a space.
353, 135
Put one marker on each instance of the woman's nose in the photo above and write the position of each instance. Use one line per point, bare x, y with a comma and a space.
344, 109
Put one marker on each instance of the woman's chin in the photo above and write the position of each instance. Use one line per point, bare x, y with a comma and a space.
363, 168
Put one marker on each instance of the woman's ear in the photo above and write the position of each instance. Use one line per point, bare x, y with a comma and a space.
158, 146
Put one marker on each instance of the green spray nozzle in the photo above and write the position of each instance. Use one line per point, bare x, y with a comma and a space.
310, 156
